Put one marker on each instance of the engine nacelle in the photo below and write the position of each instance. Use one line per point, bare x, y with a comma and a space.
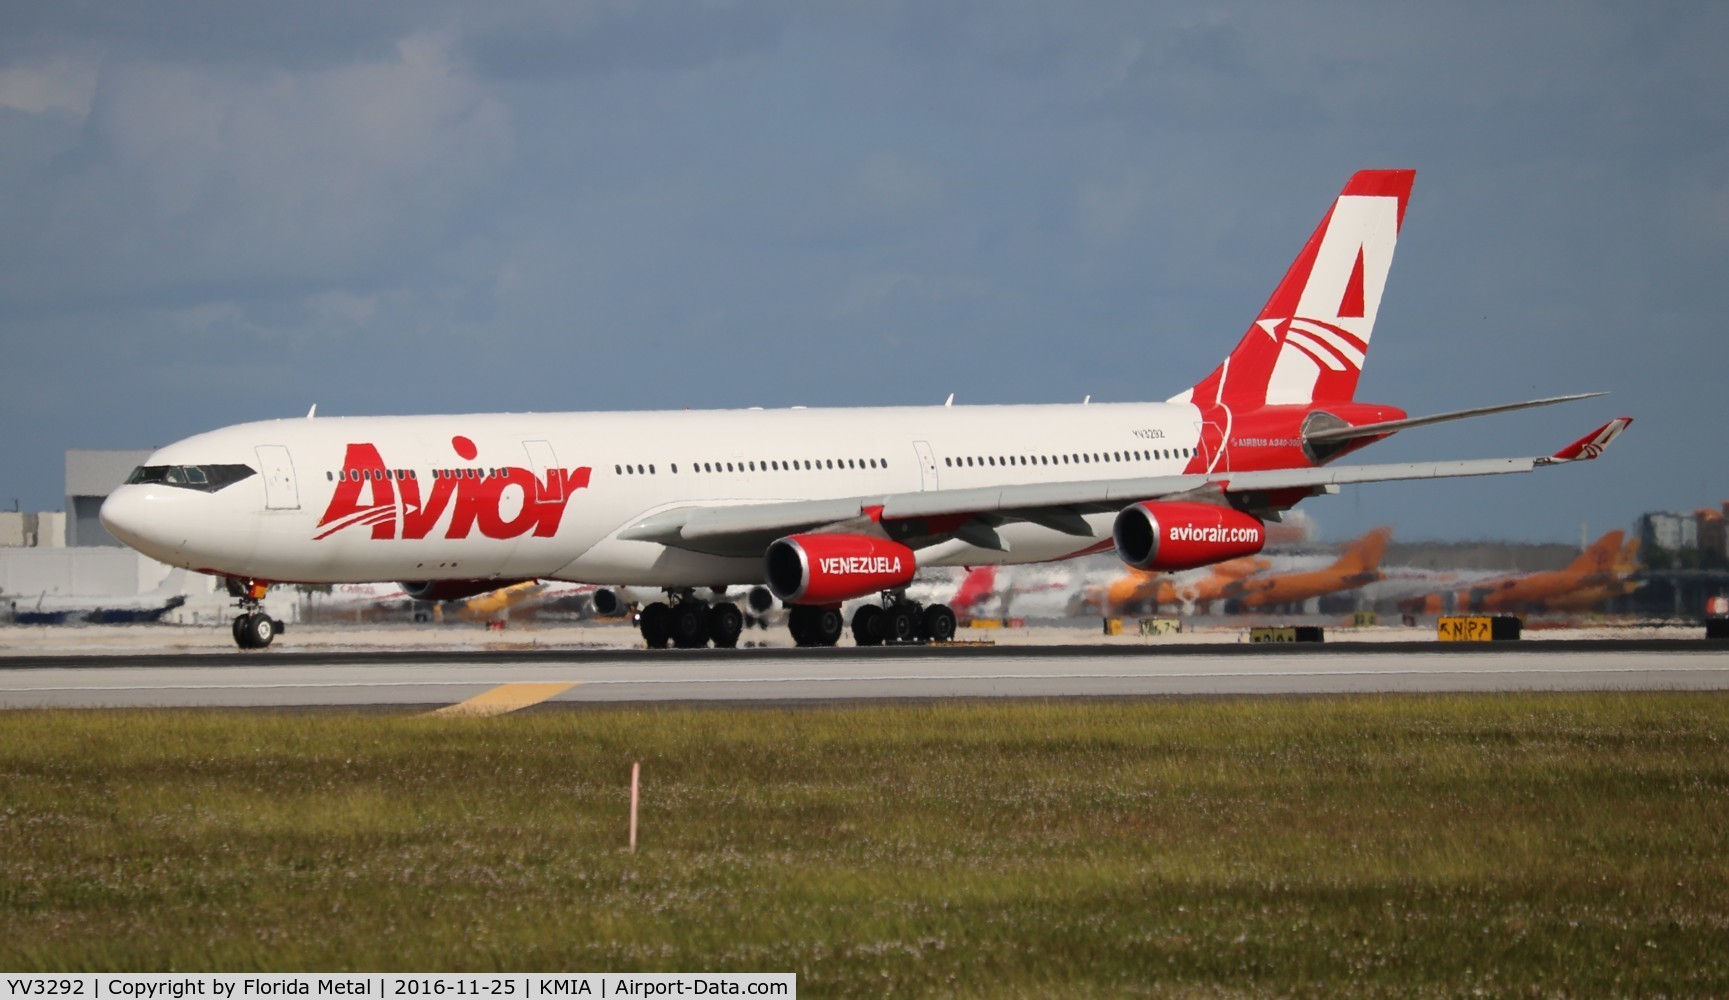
1180, 534
827, 569
609, 603
759, 601
452, 590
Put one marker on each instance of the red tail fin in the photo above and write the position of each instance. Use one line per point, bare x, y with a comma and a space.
1310, 340
976, 587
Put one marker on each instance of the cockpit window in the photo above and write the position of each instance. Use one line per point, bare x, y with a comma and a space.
204, 478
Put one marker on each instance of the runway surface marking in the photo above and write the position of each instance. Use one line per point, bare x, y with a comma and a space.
504, 699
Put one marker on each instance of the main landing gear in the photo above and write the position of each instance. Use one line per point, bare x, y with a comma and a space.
686, 621
815, 626
691, 623
253, 629
901, 621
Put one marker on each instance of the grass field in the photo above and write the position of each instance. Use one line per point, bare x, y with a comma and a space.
1570, 845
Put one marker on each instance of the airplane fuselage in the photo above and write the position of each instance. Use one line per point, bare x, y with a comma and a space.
522, 496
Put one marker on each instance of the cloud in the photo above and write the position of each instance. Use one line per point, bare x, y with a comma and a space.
61, 81
191, 180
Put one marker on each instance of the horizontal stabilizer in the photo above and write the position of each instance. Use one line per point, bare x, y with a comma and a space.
1389, 426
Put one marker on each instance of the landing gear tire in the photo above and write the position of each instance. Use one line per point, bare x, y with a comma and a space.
655, 621
690, 624
255, 631
798, 623
815, 626
900, 624
939, 623
829, 626
867, 625
725, 623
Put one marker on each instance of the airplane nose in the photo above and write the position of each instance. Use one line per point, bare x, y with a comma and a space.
124, 516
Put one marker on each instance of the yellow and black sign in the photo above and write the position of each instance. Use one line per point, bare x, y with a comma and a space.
1478, 628
1286, 633
1161, 626
1365, 619
1113, 626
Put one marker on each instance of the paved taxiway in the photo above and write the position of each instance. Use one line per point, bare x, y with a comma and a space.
433, 678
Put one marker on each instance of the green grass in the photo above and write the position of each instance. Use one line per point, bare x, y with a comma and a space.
1572, 845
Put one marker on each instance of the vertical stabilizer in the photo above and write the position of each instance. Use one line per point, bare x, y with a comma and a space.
1309, 342
1601, 556
1365, 553
976, 587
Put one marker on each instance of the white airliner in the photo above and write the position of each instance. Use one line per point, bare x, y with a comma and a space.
821, 505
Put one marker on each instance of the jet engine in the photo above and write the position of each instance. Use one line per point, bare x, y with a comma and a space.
1180, 534
452, 590
759, 601
609, 603
617, 602
828, 569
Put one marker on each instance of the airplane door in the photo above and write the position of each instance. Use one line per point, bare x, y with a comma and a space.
277, 468
544, 462
927, 465
1213, 451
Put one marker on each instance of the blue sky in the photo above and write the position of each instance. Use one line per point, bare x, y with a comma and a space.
218, 212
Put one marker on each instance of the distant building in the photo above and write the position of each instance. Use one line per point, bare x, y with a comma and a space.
90, 477
1713, 539
1669, 531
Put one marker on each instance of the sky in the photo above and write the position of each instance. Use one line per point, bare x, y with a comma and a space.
214, 212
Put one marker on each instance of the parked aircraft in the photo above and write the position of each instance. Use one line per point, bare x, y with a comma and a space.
1593, 598
1595, 574
99, 609
1358, 565
822, 506
1138, 590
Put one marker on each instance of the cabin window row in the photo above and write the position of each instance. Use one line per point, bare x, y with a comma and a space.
791, 465
368, 475
1085, 458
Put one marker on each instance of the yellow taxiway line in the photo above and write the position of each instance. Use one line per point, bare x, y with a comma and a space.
505, 698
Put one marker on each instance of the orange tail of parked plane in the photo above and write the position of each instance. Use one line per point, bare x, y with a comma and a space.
1358, 565
1618, 584
1601, 557
1594, 569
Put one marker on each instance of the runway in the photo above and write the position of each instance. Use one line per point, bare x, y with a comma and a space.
570, 678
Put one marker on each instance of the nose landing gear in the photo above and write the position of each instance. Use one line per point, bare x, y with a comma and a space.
253, 629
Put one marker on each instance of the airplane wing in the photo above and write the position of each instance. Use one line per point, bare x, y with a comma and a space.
973, 514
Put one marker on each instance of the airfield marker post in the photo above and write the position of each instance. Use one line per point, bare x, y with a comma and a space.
635, 781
